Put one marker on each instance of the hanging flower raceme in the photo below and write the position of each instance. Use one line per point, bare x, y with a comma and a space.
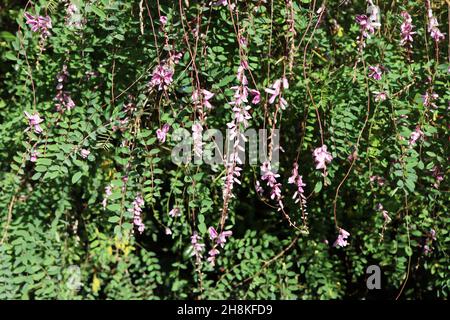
197, 136
380, 96
108, 193
201, 98
433, 25
375, 72
138, 204
175, 212
428, 99
163, 20
84, 153
197, 246
275, 90
162, 77
33, 155
220, 240
365, 26
322, 157
39, 24
415, 135
406, 30
34, 122
341, 240
63, 99
271, 180
161, 133
297, 180
239, 121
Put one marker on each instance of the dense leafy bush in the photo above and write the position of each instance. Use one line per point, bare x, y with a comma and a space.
93, 92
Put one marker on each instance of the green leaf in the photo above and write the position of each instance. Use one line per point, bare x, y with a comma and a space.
76, 177
97, 11
318, 186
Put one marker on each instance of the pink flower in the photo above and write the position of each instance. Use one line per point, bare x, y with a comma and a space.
297, 179
65, 101
433, 24
34, 121
375, 72
201, 98
39, 24
222, 239
380, 96
175, 212
161, 133
322, 157
162, 77
271, 178
256, 96
138, 204
197, 246
212, 233
341, 240
197, 130
406, 30
428, 99
386, 217
212, 256
365, 26
275, 91
168, 231
84, 153
163, 20
108, 192
415, 135
33, 156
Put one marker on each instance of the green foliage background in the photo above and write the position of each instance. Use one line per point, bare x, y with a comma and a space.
51, 211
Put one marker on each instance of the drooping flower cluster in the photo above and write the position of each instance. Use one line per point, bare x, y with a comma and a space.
175, 212
34, 155
379, 180
322, 157
341, 240
430, 237
428, 99
220, 240
271, 180
108, 193
84, 153
297, 180
365, 26
73, 18
384, 212
433, 25
438, 175
197, 137
415, 135
162, 75
138, 204
275, 91
39, 24
239, 121
163, 20
63, 99
34, 122
406, 30
380, 96
161, 133
375, 72
197, 246
200, 98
